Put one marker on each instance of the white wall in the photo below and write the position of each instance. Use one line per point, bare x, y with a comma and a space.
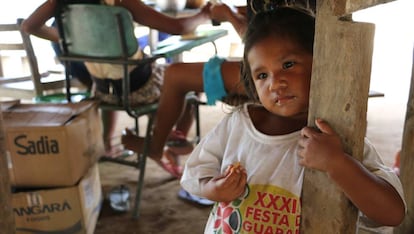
393, 48
12, 9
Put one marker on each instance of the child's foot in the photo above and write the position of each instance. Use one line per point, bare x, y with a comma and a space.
114, 149
170, 163
132, 141
168, 160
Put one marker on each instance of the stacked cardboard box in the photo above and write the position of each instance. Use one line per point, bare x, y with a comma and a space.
52, 152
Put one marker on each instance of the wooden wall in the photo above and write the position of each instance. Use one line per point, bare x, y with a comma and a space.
339, 94
342, 58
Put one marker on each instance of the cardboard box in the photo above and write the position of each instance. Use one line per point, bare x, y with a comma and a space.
62, 210
49, 145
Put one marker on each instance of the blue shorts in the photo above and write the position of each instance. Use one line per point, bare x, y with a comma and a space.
213, 80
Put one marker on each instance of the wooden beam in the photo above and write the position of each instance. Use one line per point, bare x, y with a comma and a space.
6, 210
346, 7
407, 162
339, 94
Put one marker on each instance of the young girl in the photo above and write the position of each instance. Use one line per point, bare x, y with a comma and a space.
252, 163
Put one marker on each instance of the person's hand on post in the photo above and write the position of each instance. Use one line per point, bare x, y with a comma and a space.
320, 149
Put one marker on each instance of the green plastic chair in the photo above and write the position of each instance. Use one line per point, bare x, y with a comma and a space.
36, 84
105, 34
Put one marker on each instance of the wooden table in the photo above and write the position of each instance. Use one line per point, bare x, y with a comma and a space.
175, 45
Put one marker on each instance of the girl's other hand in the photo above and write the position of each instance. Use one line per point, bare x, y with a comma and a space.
228, 186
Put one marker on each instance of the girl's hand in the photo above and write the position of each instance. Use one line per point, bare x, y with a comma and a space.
226, 187
320, 149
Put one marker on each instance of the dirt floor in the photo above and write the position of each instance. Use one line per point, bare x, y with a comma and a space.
163, 212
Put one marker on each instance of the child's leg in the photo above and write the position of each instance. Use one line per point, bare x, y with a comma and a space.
109, 120
179, 79
177, 141
186, 120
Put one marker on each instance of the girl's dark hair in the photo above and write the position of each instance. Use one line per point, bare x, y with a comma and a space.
257, 6
294, 24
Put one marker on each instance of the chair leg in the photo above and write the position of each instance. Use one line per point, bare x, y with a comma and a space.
193, 99
197, 119
140, 183
142, 158
136, 126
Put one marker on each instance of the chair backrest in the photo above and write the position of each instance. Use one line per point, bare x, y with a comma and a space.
31, 85
102, 34
20, 44
94, 31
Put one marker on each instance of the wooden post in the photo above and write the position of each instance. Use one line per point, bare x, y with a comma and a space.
339, 94
6, 212
407, 162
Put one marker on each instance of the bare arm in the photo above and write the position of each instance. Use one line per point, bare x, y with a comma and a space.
142, 14
149, 17
376, 198
36, 23
223, 13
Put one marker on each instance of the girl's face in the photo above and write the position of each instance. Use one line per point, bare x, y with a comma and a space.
281, 71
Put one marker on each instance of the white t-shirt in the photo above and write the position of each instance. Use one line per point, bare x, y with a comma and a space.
271, 202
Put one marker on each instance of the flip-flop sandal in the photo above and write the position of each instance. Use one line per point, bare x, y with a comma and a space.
171, 164
178, 142
118, 155
174, 170
181, 150
195, 199
118, 151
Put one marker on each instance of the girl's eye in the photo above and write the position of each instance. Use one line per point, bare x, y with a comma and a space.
288, 64
261, 76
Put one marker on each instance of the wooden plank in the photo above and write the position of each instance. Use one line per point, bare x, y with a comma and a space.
37, 83
346, 7
4, 80
34, 67
8, 27
11, 47
407, 162
6, 213
1, 67
339, 94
